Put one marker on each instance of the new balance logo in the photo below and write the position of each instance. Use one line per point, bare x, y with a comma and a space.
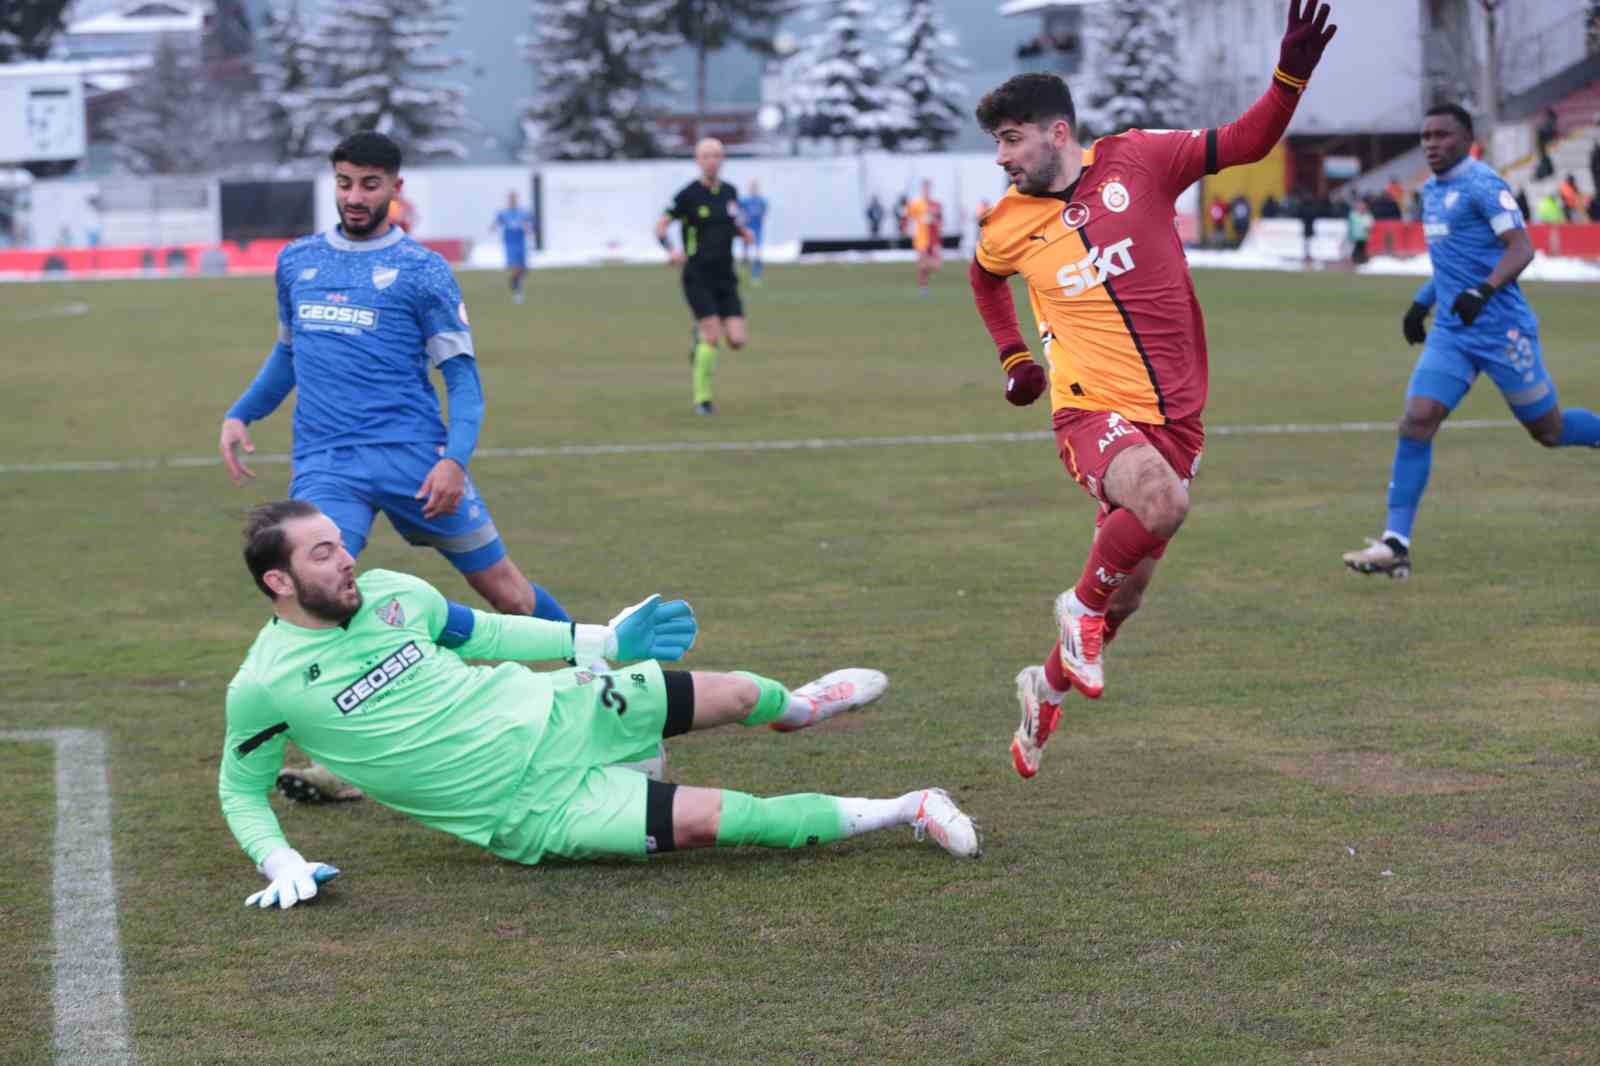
1092, 270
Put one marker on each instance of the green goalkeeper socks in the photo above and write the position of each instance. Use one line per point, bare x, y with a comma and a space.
796, 821
770, 704
705, 367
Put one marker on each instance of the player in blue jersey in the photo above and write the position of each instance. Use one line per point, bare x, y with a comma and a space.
514, 225
754, 209
1478, 243
364, 312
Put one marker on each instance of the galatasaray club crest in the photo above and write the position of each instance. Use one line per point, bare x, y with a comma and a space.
383, 277
1074, 215
391, 614
1115, 197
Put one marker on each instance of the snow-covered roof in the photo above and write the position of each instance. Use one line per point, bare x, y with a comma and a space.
1023, 7
151, 16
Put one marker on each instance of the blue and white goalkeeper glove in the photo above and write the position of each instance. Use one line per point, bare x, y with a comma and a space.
650, 629
293, 880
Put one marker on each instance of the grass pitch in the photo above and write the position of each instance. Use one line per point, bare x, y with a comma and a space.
1317, 818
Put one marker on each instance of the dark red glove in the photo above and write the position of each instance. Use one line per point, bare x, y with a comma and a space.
1025, 382
1303, 43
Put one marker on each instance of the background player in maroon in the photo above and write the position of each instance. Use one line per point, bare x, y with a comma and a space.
1092, 232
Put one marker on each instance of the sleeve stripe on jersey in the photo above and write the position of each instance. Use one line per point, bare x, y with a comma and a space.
261, 738
285, 336
442, 346
1503, 222
1133, 335
1211, 151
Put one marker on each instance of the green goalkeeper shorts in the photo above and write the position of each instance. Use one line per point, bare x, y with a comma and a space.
572, 801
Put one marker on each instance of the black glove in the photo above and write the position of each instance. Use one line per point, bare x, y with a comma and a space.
1469, 305
1411, 326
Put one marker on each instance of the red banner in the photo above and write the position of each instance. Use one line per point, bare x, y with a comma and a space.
229, 257
1579, 240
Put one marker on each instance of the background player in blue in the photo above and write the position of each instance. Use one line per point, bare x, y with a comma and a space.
364, 312
754, 209
514, 225
1478, 244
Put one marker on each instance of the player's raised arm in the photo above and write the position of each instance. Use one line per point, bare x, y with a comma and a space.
252, 755
1251, 136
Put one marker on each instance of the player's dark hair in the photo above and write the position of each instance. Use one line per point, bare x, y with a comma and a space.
1037, 98
266, 545
369, 148
1455, 111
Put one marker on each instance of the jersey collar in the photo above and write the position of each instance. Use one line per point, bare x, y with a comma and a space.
337, 238
1457, 171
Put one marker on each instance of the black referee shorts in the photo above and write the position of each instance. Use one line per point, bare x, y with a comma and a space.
712, 294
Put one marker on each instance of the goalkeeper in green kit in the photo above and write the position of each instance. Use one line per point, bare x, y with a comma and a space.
367, 676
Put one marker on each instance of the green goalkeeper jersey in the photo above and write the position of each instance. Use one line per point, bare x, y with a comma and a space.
381, 703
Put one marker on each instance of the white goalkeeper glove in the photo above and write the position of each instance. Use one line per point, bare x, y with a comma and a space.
293, 880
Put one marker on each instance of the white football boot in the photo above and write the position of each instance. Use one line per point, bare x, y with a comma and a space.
1082, 640
831, 694
1387, 556
1041, 713
938, 817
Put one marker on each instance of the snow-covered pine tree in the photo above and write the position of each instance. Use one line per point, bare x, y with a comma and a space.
167, 124
28, 26
289, 66
386, 76
597, 64
924, 74
1135, 77
842, 93
711, 25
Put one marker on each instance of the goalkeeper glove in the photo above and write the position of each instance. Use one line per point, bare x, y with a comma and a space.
649, 629
1469, 304
1025, 382
1411, 325
293, 880
1303, 43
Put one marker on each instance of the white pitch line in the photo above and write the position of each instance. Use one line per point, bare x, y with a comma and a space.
91, 1022
683, 446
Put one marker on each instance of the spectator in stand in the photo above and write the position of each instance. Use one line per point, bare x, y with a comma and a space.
1218, 214
1572, 204
1270, 207
1594, 166
1396, 193
1308, 221
1239, 211
1594, 208
1546, 132
874, 216
1360, 223
900, 217
1548, 209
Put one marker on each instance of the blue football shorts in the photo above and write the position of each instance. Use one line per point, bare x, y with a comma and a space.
516, 256
1451, 360
353, 483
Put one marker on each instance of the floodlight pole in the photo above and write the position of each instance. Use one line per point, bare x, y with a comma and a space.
1491, 74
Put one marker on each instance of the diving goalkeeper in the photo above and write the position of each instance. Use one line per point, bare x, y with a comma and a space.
367, 676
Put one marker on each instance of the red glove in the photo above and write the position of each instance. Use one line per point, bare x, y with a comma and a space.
1025, 382
1303, 43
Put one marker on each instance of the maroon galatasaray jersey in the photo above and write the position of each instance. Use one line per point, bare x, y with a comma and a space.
1107, 276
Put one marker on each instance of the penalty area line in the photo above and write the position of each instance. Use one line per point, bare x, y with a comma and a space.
684, 446
91, 1020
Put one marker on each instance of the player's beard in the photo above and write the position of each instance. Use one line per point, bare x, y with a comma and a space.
324, 605
375, 218
1037, 182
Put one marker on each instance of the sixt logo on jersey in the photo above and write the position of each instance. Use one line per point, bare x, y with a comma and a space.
1092, 270
378, 678
332, 314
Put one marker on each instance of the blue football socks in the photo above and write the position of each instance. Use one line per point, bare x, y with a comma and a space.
547, 606
1412, 461
1579, 427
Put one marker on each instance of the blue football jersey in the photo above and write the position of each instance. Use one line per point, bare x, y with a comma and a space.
754, 210
514, 223
1465, 211
366, 320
